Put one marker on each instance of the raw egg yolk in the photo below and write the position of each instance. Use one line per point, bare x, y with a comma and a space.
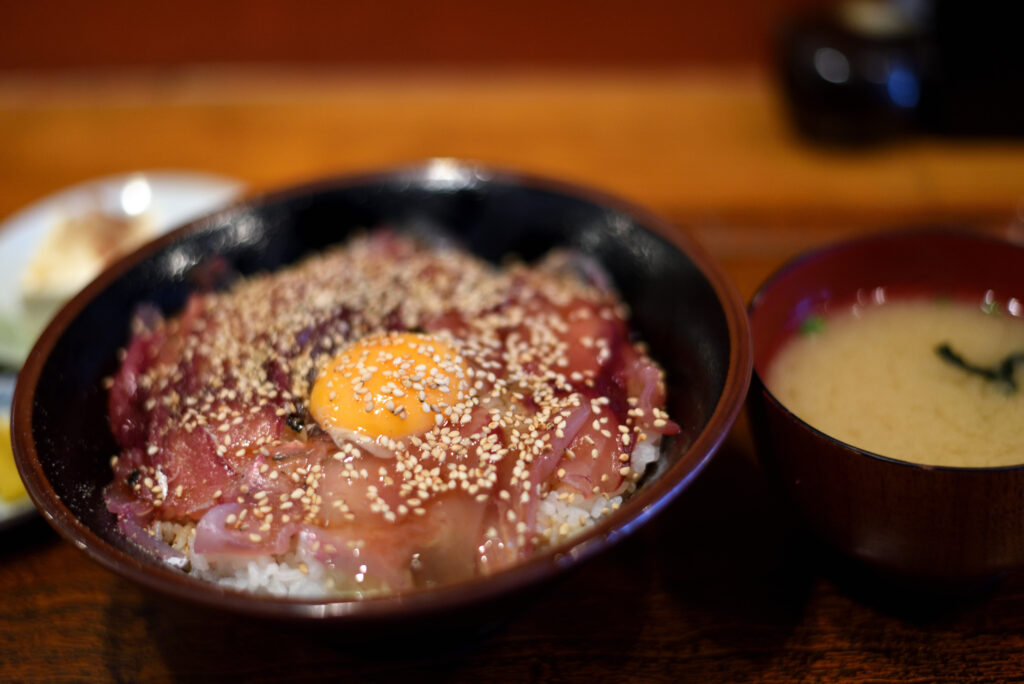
390, 385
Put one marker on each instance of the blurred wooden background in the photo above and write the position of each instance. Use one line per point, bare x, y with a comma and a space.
673, 104
56, 34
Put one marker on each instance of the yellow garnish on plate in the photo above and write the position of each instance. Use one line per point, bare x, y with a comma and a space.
11, 488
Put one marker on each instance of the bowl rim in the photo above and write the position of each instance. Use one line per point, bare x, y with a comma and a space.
758, 382
545, 565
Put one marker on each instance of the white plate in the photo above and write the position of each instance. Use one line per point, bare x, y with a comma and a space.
173, 198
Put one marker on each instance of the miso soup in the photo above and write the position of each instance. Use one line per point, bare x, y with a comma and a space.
928, 381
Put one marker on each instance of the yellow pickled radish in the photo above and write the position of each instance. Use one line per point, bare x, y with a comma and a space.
11, 488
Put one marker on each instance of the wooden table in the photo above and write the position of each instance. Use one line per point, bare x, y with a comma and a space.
723, 586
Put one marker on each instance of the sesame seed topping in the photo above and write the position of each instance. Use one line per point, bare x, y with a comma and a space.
498, 376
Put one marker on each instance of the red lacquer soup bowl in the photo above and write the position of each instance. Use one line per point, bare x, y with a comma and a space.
939, 525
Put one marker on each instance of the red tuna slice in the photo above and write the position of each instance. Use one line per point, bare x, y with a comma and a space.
450, 551
543, 468
220, 531
247, 432
360, 560
595, 461
195, 473
586, 327
417, 551
356, 485
128, 419
512, 509
644, 382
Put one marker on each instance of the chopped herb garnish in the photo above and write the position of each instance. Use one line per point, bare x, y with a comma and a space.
812, 325
1002, 373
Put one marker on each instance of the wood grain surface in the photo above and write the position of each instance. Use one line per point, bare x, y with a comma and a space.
723, 586
577, 33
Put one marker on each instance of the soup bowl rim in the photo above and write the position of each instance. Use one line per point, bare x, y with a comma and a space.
758, 382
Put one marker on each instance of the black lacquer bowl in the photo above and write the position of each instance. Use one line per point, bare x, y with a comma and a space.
682, 306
